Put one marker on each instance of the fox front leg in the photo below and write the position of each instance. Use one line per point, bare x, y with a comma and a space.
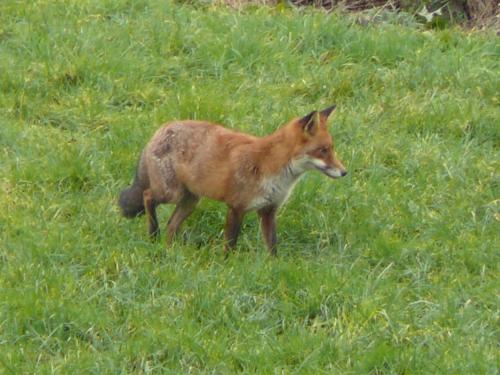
233, 225
268, 227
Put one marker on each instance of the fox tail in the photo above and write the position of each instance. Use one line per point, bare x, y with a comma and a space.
131, 199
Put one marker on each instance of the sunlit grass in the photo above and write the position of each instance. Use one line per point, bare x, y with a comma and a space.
389, 270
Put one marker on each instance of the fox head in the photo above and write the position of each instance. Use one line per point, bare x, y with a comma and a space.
315, 149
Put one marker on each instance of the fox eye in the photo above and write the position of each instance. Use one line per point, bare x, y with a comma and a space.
323, 150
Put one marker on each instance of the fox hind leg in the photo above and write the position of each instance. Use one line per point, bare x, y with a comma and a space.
184, 207
150, 208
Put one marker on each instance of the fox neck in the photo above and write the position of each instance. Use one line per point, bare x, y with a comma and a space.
280, 170
277, 154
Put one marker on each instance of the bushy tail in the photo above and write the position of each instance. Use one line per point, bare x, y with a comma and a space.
131, 199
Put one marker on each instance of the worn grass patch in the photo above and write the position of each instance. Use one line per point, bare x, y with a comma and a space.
389, 270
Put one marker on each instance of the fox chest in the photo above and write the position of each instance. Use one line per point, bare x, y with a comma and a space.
273, 191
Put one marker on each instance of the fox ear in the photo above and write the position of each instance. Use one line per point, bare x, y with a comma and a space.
310, 122
327, 111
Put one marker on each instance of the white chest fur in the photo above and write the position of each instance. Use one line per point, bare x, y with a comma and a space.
274, 190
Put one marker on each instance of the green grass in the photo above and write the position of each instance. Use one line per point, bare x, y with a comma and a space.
391, 270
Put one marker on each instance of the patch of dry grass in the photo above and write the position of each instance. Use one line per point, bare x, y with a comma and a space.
483, 13
471, 13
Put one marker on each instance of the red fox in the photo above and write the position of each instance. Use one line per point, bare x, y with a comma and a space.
186, 160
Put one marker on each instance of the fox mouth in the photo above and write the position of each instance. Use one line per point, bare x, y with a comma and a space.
333, 172
324, 168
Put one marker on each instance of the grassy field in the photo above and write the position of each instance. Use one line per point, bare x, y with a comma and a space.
391, 270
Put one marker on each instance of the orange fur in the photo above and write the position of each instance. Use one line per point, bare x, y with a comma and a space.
186, 160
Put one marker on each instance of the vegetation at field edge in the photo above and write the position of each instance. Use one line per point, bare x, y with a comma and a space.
393, 269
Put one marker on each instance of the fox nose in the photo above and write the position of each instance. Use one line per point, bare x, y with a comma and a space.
343, 173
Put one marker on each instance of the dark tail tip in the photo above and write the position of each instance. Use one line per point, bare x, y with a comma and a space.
131, 201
